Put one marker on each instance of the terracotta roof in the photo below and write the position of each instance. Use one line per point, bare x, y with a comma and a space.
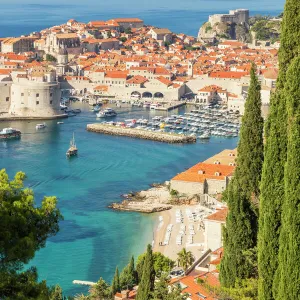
161, 30
67, 36
195, 290
128, 20
138, 79
103, 88
228, 74
219, 216
116, 74
271, 74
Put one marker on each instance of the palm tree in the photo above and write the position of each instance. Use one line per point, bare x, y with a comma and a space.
185, 258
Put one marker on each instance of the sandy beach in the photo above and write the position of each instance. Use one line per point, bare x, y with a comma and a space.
169, 217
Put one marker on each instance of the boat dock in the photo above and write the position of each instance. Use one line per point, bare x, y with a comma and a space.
171, 138
170, 106
90, 283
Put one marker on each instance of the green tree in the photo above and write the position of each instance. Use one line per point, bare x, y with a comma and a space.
24, 229
115, 286
57, 293
23, 285
286, 284
128, 30
81, 297
240, 233
272, 183
162, 264
123, 39
185, 258
146, 284
50, 58
128, 276
101, 290
246, 289
250, 148
162, 290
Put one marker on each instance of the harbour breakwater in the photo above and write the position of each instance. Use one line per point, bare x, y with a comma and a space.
170, 138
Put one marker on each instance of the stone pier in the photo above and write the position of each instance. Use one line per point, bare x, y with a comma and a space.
171, 138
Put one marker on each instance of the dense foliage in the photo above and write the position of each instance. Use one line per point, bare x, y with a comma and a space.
24, 229
273, 184
286, 284
241, 195
185, 258
146, 285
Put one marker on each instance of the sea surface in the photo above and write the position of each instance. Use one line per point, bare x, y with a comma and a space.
94, 239
24, 16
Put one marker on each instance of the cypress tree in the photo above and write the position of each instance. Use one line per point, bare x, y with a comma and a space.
272, 183
250, 148
241, 224
115, 286
146, 285
238, 235
286, 283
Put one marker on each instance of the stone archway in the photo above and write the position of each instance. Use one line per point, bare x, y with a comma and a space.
147, 95
135, 95
158, 95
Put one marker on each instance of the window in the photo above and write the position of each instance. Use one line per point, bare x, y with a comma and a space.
22, 94
7, 99
51, 94
217, 174
37, 95
37, 102
50, 101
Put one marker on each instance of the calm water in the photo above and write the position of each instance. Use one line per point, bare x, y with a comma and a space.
24, 16
93, 239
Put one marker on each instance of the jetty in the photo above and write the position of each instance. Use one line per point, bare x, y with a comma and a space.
90, 283
171, 138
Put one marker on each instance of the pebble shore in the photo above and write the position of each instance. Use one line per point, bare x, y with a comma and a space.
170, 138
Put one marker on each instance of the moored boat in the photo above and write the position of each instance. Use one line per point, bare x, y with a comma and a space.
9, 133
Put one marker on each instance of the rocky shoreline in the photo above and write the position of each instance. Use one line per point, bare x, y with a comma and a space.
155, 199
141, 134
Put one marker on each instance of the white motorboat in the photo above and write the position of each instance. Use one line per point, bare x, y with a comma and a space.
108, 112
40, 126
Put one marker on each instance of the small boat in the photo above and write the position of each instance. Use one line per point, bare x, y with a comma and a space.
76, 110
40, 126
204, 136
58, 123
72, 151
63, 106
108, 112
9, 133
96, 108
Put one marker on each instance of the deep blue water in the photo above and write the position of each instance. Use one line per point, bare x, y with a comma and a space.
24, 16
94, 239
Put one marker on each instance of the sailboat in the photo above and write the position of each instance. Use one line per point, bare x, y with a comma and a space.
72, 151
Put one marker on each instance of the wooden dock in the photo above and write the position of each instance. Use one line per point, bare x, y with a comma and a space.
90, 283
171, 138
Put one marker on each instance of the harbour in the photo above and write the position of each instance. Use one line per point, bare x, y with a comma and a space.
93, 235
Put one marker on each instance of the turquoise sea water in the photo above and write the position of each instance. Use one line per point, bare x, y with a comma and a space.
93, 238
24, 16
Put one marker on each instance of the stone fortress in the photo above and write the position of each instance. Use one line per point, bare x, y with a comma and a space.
33, 94
238, 16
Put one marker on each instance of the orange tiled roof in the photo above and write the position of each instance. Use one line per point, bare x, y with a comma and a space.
194, 289
138, 79
219, 216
